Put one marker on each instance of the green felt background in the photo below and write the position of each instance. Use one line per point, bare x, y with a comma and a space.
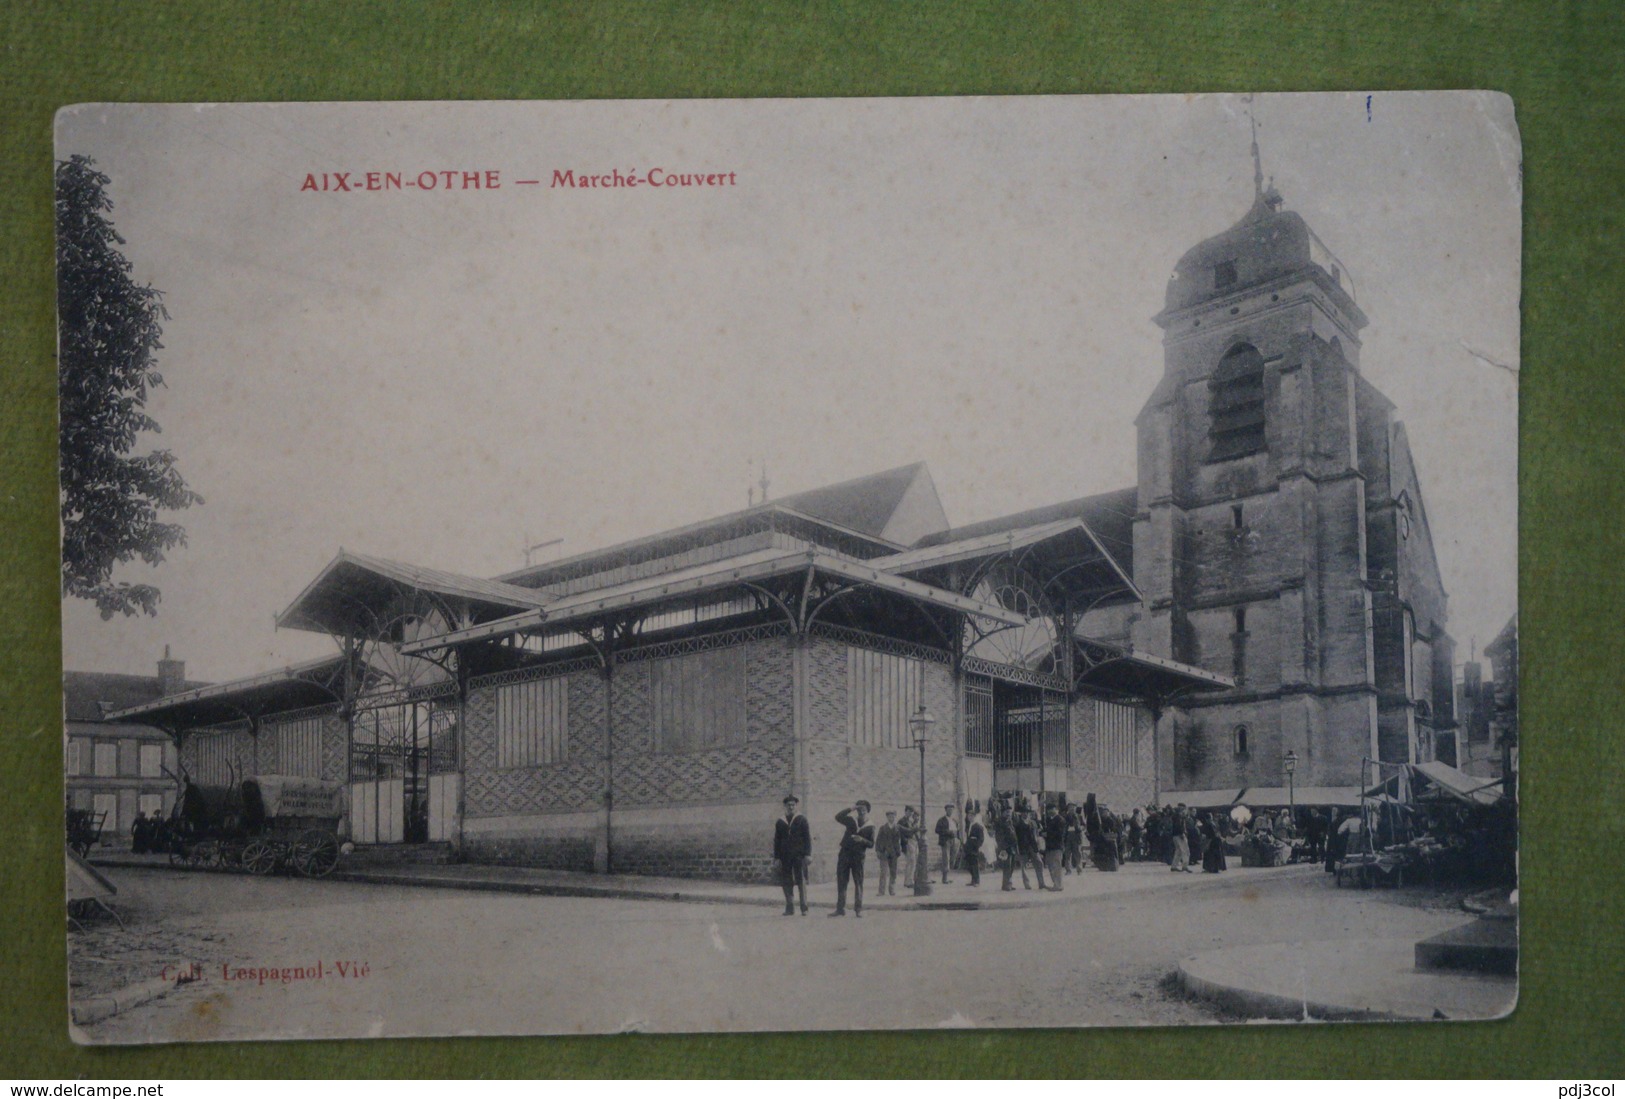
1563, 64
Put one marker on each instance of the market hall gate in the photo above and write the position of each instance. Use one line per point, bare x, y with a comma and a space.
1018, 736
404, 783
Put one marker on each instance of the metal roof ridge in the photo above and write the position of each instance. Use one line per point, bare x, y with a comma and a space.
992, 539
699, 524
695, 577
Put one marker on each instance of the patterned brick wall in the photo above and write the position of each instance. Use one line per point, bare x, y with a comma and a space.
761, 767
265, 749
1120, 791
643, 779
335, 749
574, 785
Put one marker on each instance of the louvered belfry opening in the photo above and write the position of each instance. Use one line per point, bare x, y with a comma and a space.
1237, 404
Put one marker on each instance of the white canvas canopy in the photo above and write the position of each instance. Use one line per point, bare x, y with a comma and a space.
294, 796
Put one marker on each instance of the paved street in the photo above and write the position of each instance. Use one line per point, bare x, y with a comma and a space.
453, 962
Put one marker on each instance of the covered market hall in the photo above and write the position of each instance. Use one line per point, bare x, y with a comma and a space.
645, 708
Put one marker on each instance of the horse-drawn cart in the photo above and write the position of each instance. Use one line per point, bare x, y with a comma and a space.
264, 824
84, 830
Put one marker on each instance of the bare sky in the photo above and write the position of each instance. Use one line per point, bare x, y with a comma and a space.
434, 376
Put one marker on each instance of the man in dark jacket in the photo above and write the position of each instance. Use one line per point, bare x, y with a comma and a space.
1004, 834
1054, 845
975, 836
888, 845
1315, 835
792, 849
855, 844
947, 839
1027, 845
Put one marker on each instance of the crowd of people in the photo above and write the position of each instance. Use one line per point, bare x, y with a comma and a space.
1018, 834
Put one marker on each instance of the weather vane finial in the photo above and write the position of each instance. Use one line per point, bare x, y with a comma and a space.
1258, 161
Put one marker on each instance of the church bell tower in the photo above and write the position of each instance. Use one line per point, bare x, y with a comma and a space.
1250, 538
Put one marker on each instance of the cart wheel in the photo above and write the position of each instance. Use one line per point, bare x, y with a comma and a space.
259, 857
315, 853
205, 854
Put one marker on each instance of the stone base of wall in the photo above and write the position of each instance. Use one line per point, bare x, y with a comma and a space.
544, 852
711, 846
662, 860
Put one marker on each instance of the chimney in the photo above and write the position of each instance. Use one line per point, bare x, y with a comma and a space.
171, 675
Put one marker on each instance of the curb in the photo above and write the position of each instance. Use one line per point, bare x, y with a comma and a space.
1489, 903
1270, 1005
574, 889
105, 1007
548, 889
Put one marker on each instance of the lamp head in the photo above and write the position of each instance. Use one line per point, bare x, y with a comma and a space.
921, 724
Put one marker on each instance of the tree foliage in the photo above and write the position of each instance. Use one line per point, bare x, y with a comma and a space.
108, 331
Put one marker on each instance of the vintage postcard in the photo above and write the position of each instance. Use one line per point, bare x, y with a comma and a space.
541, 568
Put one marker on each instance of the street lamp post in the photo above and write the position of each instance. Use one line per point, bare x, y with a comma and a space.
1290, 763
920, 725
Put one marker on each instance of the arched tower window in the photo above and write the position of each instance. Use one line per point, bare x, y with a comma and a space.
1236, 404
1239, 739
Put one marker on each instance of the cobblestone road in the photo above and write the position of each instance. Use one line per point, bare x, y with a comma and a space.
446, 962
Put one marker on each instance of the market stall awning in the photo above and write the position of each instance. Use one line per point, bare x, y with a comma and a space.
295, 687
1310, 797
355, 592
1222, 798
1459, 784
697, 580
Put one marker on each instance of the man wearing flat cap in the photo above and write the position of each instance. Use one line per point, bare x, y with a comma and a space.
792, 850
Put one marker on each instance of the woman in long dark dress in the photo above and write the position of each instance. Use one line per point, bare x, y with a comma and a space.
1213, 848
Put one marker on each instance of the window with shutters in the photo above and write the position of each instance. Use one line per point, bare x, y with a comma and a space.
1115, 738
106, 760
152, 761
533, 722
1236, 404
883, 692
699, 700
299, 747
106, 807
75, 757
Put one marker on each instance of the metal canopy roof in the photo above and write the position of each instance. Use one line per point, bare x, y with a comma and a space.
296, 687
709, 577
971, 549
1146, 676
354, 589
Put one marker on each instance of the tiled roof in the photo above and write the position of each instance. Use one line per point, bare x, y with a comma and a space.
83, 692
864, 504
